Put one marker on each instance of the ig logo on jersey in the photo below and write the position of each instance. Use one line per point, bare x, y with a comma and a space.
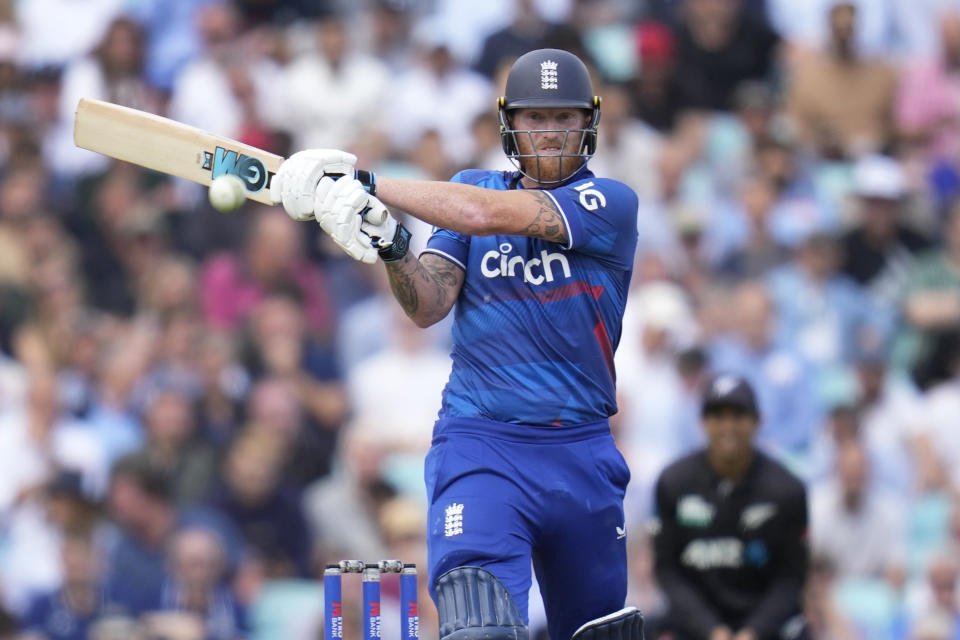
590, 199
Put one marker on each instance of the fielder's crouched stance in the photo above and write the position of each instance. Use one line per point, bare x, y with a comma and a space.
523, 468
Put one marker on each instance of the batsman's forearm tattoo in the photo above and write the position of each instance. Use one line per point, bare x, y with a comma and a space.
548, 224
425, 285
403, 285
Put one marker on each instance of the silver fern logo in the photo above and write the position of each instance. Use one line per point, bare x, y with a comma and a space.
453, 520
548, 74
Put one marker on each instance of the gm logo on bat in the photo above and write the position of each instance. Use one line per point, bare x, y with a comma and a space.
249, 169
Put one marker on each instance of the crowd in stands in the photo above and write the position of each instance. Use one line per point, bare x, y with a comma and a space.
199, 411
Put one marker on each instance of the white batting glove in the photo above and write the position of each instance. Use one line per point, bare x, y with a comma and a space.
378, 225
295, 182
339, 207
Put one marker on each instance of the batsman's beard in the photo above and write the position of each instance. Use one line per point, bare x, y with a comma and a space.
552, 167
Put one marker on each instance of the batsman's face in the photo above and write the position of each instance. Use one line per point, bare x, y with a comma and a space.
549, 141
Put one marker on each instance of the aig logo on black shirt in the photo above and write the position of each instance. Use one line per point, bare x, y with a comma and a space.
713, 553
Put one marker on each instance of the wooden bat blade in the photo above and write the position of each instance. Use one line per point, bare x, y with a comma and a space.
171, 147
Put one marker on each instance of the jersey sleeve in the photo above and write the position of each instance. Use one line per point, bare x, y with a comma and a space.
601, 218
449, 244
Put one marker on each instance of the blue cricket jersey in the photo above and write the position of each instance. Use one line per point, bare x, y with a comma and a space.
537, 323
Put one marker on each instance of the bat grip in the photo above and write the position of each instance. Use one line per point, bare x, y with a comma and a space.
374, 217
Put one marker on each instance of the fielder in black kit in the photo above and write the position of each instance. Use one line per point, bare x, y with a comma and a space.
730, 536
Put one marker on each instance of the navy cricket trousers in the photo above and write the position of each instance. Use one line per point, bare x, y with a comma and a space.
505, 495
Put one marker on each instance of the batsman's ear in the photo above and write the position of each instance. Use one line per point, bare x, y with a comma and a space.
507, 139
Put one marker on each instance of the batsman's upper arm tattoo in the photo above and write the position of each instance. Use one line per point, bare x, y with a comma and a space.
548, 223
427, 287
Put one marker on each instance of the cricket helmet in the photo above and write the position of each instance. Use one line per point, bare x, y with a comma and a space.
548, 78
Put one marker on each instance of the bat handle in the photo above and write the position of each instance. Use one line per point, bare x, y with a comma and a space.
374, 216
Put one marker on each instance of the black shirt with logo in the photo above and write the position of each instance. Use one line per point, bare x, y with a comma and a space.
731, 553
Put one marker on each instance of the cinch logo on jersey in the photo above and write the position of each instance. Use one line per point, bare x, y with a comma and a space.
453, 520
499, 264
251, 170
713, 553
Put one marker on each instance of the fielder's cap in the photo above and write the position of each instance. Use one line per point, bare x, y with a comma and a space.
879, 176
730, 391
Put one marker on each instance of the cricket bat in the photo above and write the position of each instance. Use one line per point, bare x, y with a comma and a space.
172, 147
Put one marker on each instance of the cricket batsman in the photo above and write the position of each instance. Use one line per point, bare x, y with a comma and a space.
522, 469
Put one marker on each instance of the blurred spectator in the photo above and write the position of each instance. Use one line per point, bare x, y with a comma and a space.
654, 88
272, 260
68, 612
657, 421
842, 102
333, 67
383, 378
928, 100
931, 299
879, 248
16, 119
227, 73
389, 32
275, 409
629, 148
938, 446
37, 438
124, 236
524, 33
823, 313
34, 533
718, 47
266, 512
742, 141
140, 503
436, 92
196, 584
364, 329
803, 25
760, 251
939, 602
857, 527
224, 383
385, 375
113, 71
487, 146
824, 617
881, 415
172, 361
56, 32
783, 380
168, 289
173, 448
172, 39
343, 508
